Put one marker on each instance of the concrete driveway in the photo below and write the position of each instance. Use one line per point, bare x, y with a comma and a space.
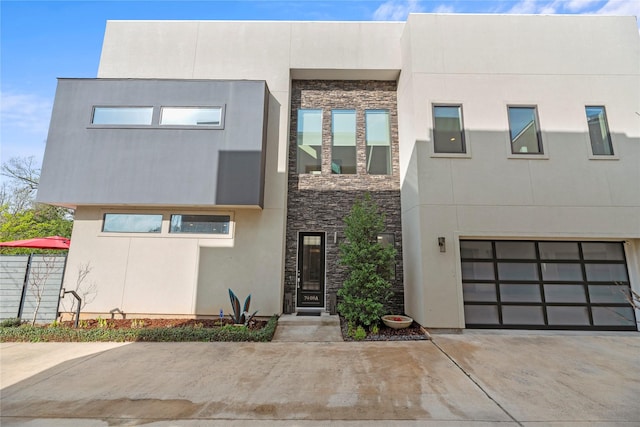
475, 378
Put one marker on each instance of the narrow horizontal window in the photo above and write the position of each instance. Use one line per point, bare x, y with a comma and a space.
201, 224
599, 131
309, 141
132, 223
524, 130
122, 116
378, 140
191, 116
448, 133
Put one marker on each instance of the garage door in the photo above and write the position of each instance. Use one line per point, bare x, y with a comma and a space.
546, 285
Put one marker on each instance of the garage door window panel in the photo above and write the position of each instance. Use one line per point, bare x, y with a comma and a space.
545, 285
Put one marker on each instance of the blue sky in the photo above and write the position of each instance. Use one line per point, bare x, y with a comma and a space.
43, 40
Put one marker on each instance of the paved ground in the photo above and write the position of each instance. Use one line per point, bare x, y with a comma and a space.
468, 379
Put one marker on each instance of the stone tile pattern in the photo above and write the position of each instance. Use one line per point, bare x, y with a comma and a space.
319, 202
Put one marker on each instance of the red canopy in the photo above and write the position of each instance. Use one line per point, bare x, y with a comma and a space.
53, 242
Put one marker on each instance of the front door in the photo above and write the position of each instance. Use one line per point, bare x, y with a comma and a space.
310, 275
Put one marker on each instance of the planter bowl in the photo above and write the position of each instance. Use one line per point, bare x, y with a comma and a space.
396, 321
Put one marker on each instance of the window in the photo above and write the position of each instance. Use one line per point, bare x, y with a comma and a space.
599, 131
378, 140
343, 133
309, 141
204, 224
524, 130
122, 116
132, 223
448, 135
191, 116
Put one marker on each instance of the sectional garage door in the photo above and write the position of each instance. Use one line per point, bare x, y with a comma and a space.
546, 285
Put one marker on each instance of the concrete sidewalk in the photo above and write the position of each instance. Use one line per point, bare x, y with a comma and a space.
468, 379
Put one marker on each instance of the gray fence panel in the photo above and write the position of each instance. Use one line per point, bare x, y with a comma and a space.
45, 278
12, 271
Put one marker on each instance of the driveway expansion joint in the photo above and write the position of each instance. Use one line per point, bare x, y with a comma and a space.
468, 375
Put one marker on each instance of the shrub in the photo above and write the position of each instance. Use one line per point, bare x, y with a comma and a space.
360, 334
29, 333
10, 323
367, 289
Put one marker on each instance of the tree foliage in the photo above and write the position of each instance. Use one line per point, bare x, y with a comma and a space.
367, 289
20, 216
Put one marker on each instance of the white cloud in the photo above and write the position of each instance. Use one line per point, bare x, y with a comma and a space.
620, 7
525, 6
396, 10
25, 111
444, 8
579, 5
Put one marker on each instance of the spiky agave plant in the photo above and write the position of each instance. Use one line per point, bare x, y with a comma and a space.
240, 317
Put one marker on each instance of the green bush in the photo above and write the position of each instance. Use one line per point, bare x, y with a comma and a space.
10, 323
27, 333
360, 334
367, 290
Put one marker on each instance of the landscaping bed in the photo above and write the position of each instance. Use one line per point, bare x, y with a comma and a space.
414, 332
121, 330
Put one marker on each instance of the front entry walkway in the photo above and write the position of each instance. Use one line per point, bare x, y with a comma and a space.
296, 328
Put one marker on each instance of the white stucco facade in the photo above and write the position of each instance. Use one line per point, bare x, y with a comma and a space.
559, 64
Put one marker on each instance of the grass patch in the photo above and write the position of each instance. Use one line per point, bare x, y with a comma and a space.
27, 333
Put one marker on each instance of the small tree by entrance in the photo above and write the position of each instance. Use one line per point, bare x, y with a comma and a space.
367, 289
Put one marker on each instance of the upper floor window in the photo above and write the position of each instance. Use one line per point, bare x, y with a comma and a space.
378, 142
343, 133
132, 223
191, 116
309, 141
524, 130
122, 116
599, 131
448, 135
204, 224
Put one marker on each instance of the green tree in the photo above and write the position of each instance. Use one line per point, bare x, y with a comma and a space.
38, 221
367, 289
20, 216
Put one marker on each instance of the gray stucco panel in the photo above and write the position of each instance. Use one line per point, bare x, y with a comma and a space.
155, 165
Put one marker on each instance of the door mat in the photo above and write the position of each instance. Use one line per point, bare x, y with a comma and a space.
308, 313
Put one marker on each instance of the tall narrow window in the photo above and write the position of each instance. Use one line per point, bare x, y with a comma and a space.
524, 130
378, 138
599, 131
343, 133
448, 136
309, 141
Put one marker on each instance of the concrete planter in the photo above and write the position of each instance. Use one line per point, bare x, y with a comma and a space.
396, 321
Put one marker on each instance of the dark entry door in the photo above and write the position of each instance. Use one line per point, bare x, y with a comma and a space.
310, 275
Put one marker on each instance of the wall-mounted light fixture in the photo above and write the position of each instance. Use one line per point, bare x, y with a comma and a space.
335, 237
441, 243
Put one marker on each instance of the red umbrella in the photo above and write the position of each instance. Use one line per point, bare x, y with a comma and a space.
53, 242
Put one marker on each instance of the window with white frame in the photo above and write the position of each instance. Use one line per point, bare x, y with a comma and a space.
524, 130
599, 131
448, 134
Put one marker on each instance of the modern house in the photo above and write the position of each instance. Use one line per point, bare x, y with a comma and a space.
503, 150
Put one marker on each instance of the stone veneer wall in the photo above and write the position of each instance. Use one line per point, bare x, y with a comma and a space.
318, 203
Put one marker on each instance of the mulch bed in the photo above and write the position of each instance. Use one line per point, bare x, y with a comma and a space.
160, 323
414, 332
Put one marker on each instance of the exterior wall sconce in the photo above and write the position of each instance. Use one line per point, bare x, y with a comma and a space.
335, 237
441, 243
